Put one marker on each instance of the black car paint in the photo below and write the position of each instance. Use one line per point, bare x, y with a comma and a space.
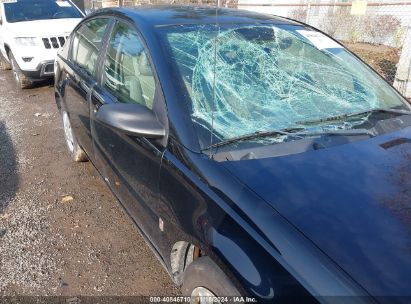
78, 86
131, 119
358, 195
228, 209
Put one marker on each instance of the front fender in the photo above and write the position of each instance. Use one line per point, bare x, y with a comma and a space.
245, 236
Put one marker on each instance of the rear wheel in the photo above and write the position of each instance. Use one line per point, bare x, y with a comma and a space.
21, 80
76, 152
205, 282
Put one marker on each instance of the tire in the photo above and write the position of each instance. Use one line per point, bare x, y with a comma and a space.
203, 275
4, 64
21, 80
77, 154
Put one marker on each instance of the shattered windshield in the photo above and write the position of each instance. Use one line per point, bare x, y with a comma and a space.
242, 79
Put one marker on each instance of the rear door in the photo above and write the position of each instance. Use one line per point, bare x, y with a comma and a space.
81, 77
129, 164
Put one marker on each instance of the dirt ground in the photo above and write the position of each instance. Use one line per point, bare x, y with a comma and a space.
55, 246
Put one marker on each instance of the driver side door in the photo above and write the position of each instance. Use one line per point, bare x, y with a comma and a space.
130, 165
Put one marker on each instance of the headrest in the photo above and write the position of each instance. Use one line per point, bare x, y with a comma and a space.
144, 65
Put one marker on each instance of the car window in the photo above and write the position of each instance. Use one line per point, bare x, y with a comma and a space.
128, 74
241, 79
87, 44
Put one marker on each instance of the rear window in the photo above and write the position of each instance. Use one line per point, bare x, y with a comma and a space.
87, 43
30, 10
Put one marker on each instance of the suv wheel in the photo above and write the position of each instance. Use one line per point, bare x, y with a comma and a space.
76, 152
4, 64
204, 282
22, 81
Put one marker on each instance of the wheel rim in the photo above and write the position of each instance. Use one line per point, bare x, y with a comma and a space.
202, 295
15, 74
68, 133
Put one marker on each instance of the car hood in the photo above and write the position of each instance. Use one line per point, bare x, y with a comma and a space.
353, 201
43, 28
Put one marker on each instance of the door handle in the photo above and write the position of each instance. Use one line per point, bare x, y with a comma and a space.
97, 101
98, 97
85, 86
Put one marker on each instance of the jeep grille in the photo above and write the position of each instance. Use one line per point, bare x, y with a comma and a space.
54, 42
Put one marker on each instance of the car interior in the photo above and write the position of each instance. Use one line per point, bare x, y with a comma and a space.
86, 46
128, 72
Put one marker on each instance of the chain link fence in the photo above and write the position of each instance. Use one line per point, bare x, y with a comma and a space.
378, 32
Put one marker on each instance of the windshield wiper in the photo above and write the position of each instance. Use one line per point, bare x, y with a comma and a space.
342, 132
339, 117
293, 132
258, 134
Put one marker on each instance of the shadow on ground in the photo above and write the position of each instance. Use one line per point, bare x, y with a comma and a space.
49, 82
9, 178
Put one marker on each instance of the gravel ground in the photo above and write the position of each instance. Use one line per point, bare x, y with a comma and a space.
51, 244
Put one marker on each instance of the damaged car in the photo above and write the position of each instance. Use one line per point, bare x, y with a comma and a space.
257, 155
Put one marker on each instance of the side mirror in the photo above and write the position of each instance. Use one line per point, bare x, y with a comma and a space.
87, 11
131, 119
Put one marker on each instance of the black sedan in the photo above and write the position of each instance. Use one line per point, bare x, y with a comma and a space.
257, 155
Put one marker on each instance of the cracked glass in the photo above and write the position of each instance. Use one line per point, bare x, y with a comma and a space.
242, 79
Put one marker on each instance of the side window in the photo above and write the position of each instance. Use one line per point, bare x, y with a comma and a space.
87, 43
128, 74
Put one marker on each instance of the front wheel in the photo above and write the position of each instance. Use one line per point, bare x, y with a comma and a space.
21, 80
206, 283
76, 152
4, 64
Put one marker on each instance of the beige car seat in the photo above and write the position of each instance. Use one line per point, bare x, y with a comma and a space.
146, 78
87, 50
131, 81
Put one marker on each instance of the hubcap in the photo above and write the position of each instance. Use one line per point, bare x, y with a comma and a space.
202, 295
13, 66
68, 134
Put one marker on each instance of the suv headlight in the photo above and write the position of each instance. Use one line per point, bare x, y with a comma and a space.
26, 41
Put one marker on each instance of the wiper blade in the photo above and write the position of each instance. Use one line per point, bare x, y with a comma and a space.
293, 132
339, 117
258, 134
342, 132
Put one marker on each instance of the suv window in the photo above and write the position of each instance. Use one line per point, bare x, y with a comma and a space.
128, 74
29, 10
87, 43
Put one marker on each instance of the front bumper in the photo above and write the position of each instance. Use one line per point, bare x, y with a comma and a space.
41, 64
45, 69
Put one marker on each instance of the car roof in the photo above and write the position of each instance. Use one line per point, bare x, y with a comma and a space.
157, 16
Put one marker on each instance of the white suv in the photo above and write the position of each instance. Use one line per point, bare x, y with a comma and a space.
31, 33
